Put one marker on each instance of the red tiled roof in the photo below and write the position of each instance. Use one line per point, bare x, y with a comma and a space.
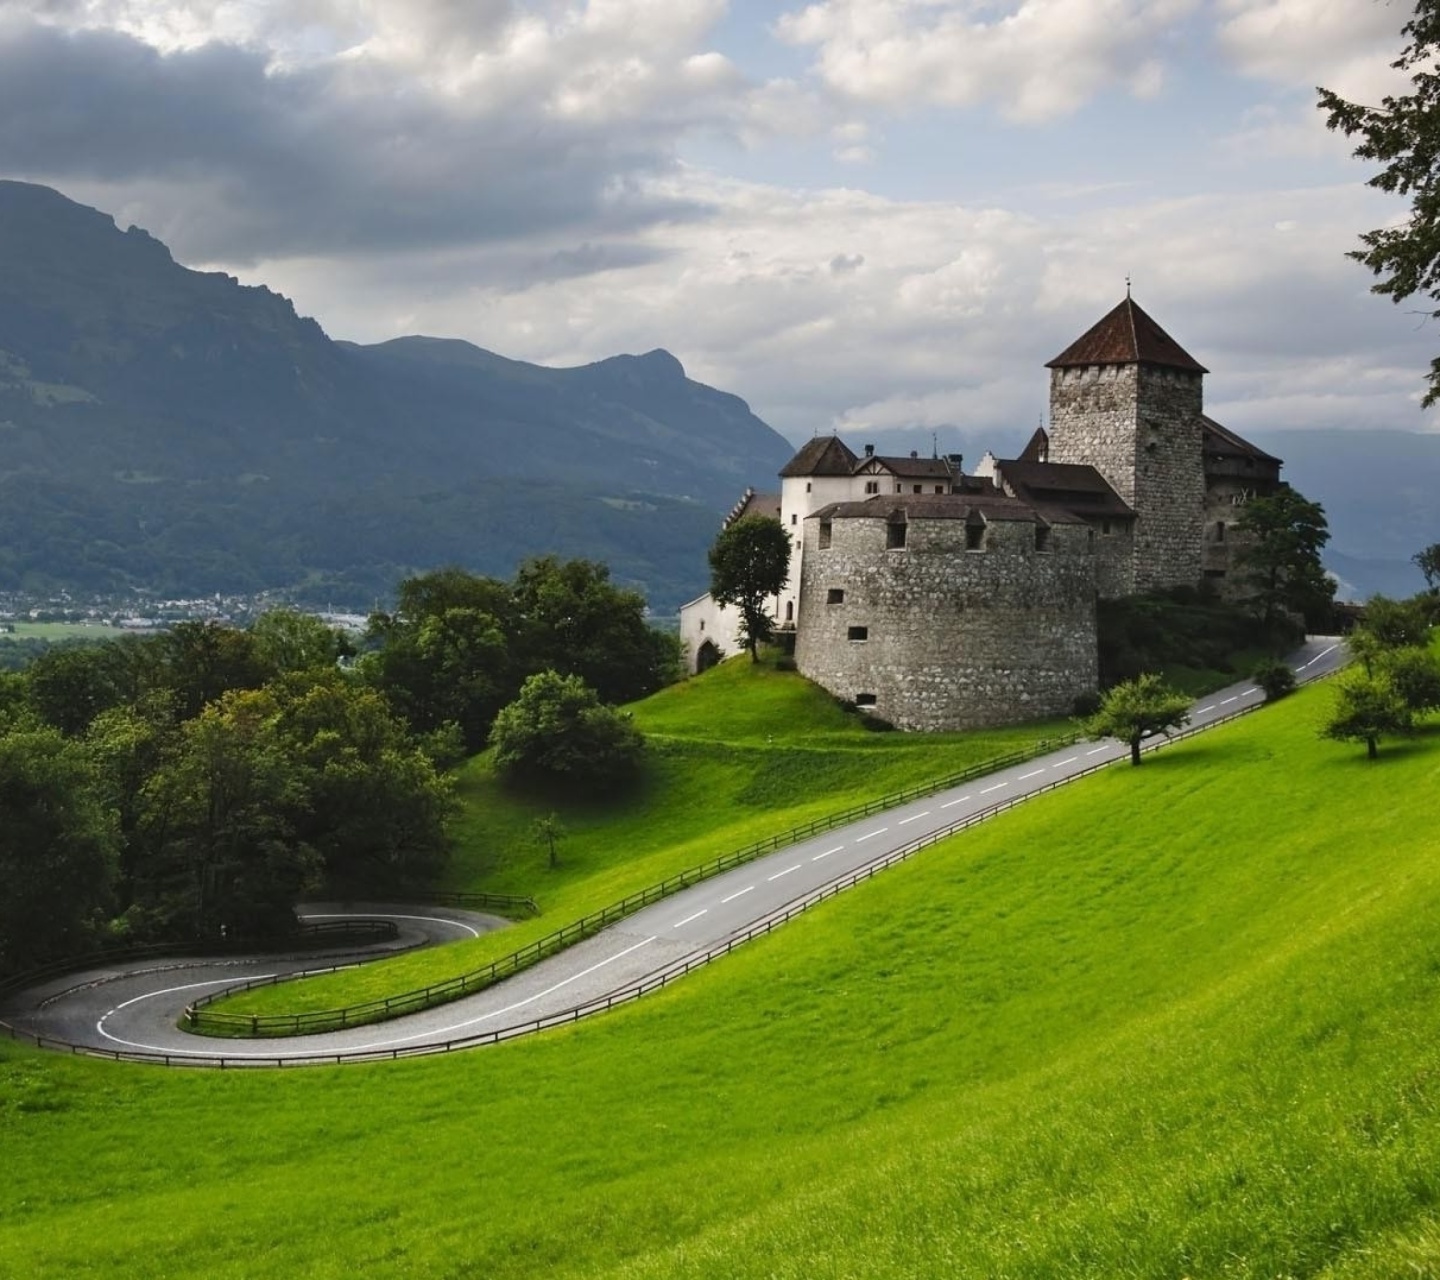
948, 506
1126, 336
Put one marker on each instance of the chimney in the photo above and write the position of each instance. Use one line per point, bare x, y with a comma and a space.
956, 461
869, 450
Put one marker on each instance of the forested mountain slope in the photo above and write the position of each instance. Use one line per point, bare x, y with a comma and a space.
173, 429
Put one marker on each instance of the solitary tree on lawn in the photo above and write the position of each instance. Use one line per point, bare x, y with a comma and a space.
1137, 708
749, 563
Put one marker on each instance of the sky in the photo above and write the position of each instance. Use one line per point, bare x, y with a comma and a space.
873, 216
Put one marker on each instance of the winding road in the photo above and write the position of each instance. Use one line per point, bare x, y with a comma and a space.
133, 1014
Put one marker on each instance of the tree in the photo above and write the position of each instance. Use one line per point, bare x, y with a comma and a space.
57, 848
287, 640
374, 807
548, 831
1415, 676
222, 854
1367, 708
1403, 134
1395, 624
557, 733
574, 620
1281, 559
1428, 562
749, 563
1134, 710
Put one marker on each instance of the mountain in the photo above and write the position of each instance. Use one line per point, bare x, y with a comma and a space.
1378, 489
175, 430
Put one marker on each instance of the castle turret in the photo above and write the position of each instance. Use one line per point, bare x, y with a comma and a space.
1128, 399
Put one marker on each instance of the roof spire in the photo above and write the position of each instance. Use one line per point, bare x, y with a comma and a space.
1127, 284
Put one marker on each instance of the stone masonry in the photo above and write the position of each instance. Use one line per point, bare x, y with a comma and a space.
1139, 426
932, 635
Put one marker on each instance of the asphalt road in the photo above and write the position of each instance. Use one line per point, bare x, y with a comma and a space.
136, 1012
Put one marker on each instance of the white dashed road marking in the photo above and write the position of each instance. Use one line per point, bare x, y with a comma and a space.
687, 919
1097, 751
827, 853
1060, 764
950, 804
733, 896
985, 791
1025, 777
786, 872
878, 831
915, 817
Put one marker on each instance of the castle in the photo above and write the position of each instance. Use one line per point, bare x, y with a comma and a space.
945, 600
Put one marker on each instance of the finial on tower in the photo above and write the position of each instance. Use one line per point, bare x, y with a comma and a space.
1127, 284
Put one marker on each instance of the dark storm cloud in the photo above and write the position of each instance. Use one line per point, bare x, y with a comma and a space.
330, 160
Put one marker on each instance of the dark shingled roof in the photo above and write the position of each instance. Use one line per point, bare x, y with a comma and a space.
754, 504
822, 456
944, 506
1222, 440
1077, 487
913, 468
1127, 336
1037, 448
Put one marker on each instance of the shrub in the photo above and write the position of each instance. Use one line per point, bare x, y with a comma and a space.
1275, 678
557, 733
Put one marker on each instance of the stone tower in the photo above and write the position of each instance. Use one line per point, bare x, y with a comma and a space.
1127, 399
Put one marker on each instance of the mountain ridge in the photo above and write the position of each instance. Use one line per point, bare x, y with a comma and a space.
167, 428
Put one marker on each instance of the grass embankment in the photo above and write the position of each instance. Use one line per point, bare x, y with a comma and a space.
738, 754
1180, 1020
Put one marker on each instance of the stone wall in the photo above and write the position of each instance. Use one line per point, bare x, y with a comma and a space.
952, 638
1139, 426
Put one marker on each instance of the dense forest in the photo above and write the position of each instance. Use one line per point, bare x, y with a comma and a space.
193, 784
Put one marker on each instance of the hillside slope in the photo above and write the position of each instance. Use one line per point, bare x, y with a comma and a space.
1172, 1021
174, 429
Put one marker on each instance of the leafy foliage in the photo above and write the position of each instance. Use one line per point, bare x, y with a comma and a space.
558, 734
1367, 708
1428, 562
1135, 709
57, 848
1281, 561
1275, 678
749, 563
1403, 135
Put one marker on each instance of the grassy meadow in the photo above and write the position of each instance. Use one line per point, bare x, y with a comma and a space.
1176, 1021
738, 754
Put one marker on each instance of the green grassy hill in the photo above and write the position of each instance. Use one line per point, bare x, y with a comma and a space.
1174, 1021
738, 754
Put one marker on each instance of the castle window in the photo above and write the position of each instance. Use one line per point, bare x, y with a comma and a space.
1220, 531
864, 699
1105, 527
1214, 573
939, 488
702, 624
858, 633
894, 536
807, 486
823, 541
974, 537
794, 519
899, 488
836, 595
872, 486
1042, 538
789, 611
919, 488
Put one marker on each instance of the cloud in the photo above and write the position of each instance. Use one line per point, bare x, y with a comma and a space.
1034, 59
348, 126
1341, 44
841, 309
